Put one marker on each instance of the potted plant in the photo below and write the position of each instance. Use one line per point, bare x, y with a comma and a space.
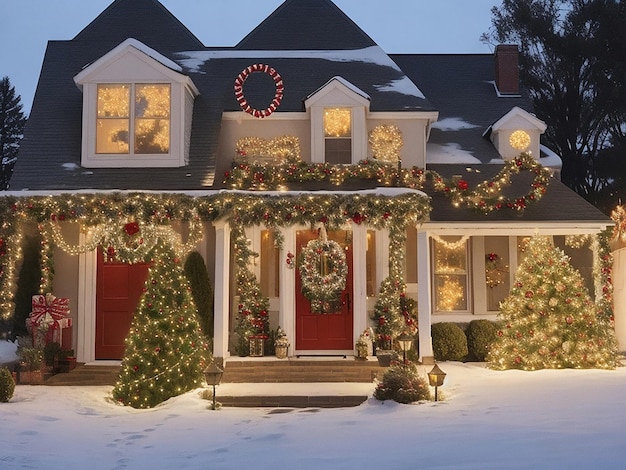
31, 362
51, 353
281, 344
67, 360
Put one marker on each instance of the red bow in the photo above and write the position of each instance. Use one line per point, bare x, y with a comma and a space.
56, 307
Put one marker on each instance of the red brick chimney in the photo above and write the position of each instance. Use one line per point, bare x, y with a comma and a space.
507, 69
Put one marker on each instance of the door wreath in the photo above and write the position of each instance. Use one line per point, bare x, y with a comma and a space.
323, 272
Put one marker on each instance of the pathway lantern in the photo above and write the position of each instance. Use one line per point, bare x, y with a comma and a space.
436, 377
213, 376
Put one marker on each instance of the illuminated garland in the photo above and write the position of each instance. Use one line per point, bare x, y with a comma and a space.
495, 271
241, 99
323, 272
485, 197
278, 150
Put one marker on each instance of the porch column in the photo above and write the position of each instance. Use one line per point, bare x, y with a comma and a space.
85, 327
359, 279
424, 301
382, 257
287, 287
619, 295
221, 309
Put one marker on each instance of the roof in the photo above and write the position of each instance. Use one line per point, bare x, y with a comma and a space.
323, 43
308, 25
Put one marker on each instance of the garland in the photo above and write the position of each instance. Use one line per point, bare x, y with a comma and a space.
495, 271
241, 99
486, 197
323, 272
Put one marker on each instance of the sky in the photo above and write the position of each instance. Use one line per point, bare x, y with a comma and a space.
488, 420
398, 26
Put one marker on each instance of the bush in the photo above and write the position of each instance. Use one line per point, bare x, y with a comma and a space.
402, 383
7, 385
449, 342
480, 335
201, 291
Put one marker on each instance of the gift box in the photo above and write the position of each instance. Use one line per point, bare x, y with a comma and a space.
49, 320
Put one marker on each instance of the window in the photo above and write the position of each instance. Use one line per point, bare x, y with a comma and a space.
338, 135
143, 128
451, 279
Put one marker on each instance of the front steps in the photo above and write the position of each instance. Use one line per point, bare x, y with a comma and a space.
87, 374
301, 370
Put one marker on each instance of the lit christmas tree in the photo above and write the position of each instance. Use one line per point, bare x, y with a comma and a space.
166, 353
550, 321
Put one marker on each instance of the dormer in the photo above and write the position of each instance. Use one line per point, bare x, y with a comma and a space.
338, 128
137, 109
517, 132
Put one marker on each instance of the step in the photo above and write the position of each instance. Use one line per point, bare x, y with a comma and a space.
86, 374
305, 370
293, 395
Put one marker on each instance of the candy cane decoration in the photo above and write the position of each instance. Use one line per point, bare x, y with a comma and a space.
241, 99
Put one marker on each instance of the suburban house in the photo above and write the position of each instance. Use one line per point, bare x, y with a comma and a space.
421, 173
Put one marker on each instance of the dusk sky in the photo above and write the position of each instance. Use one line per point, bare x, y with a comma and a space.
398, 26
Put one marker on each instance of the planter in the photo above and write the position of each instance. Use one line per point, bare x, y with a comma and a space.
257, 346
67, 364
281, 351
385, 357
31, 377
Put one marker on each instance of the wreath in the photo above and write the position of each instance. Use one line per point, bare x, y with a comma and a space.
323, 272
241, 99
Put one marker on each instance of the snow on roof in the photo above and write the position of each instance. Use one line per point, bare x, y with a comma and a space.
551, 159
194, 60
140, 46
452, 124
449, 153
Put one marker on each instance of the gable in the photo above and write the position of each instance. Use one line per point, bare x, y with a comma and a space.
146, 20
338, 92
306, 25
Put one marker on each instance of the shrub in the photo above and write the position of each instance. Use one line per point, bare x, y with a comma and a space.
402, 383
201, 290
51, 352
480, 335
449, 342
7, 385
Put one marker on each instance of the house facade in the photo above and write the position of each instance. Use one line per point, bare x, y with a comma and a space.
422, 174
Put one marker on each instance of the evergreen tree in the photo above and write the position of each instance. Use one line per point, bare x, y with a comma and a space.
572, 63
201, 290
550, 320
12, 122
166, 352
28, 283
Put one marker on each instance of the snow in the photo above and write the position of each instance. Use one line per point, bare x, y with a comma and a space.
194, 60
449, 153
550, 419
452, 124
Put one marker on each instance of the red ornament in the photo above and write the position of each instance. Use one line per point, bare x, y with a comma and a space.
131, 228
462, 185
529, 294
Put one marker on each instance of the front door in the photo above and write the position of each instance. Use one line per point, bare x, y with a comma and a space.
118, 290
328, 331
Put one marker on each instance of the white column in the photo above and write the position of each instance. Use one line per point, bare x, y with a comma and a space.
221, 309
85, 328
382, 256
287, 299
619, 296
424, 301
359, 279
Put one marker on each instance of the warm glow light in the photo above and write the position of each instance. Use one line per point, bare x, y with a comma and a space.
337, 122
520, 140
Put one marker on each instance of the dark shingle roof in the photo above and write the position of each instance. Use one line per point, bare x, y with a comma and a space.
306, 25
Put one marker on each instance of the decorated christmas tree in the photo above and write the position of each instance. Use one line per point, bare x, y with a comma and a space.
166, 352
549, 319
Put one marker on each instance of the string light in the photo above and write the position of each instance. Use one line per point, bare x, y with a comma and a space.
386, 142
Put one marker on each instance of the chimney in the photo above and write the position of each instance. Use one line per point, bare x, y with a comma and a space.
507, 69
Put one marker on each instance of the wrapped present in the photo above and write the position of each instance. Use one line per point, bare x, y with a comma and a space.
49, 318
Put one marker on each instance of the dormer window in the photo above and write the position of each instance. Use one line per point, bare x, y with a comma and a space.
143, 128
338, 135
137, 110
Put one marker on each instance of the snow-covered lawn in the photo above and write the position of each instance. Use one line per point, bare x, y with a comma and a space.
561, 419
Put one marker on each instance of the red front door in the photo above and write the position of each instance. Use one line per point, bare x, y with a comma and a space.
118, 290
324, 331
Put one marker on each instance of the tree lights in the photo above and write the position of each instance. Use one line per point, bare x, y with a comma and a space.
550, 322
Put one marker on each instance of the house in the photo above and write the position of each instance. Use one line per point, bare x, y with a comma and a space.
423, 174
